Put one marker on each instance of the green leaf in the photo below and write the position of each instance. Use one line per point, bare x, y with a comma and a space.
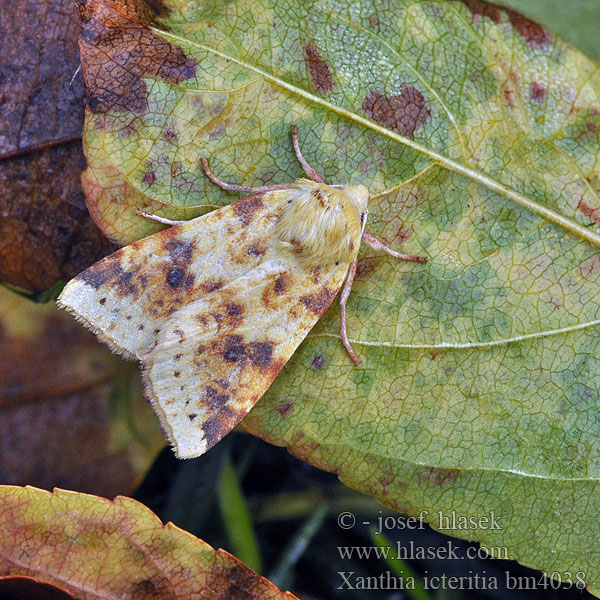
477, 132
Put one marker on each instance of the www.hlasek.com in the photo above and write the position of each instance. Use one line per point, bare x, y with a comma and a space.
414, 551
350, 580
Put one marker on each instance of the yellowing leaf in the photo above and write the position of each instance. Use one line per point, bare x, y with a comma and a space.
478, 134
96, 548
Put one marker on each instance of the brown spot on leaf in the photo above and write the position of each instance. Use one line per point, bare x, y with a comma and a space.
485, 9
318, 362
150, 590
538, 92
118, 49
149, 178
319, 70
366, 267
588, 211
533, 33
318, 303
241, 584
284, 409
508, 96
590, 267
438, 476
404, 112
245, 208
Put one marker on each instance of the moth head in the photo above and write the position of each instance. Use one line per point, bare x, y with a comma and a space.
358, 195
322, 224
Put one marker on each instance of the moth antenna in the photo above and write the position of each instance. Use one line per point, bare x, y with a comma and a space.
312, 173
158, 219
231, 187
378, 245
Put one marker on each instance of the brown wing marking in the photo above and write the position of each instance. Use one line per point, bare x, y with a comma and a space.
214, 359
126, 296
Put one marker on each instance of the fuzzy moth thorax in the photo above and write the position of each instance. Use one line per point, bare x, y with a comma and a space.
321, 224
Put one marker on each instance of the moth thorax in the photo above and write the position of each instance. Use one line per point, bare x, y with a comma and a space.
321, 224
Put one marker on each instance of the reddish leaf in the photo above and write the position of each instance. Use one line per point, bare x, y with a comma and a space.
94, 548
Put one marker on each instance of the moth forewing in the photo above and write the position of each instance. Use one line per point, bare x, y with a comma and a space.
216, 357
126, 296
215, 307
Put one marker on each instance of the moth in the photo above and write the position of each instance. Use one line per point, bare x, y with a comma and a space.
214, 307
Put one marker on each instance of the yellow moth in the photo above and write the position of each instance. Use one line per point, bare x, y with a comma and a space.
214, 307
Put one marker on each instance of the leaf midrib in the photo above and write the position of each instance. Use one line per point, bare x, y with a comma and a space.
476, 176
468, 345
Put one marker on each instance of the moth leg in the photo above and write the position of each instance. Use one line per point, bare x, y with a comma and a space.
231, 187
159, 219
343, 301
312, 173
378, 245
